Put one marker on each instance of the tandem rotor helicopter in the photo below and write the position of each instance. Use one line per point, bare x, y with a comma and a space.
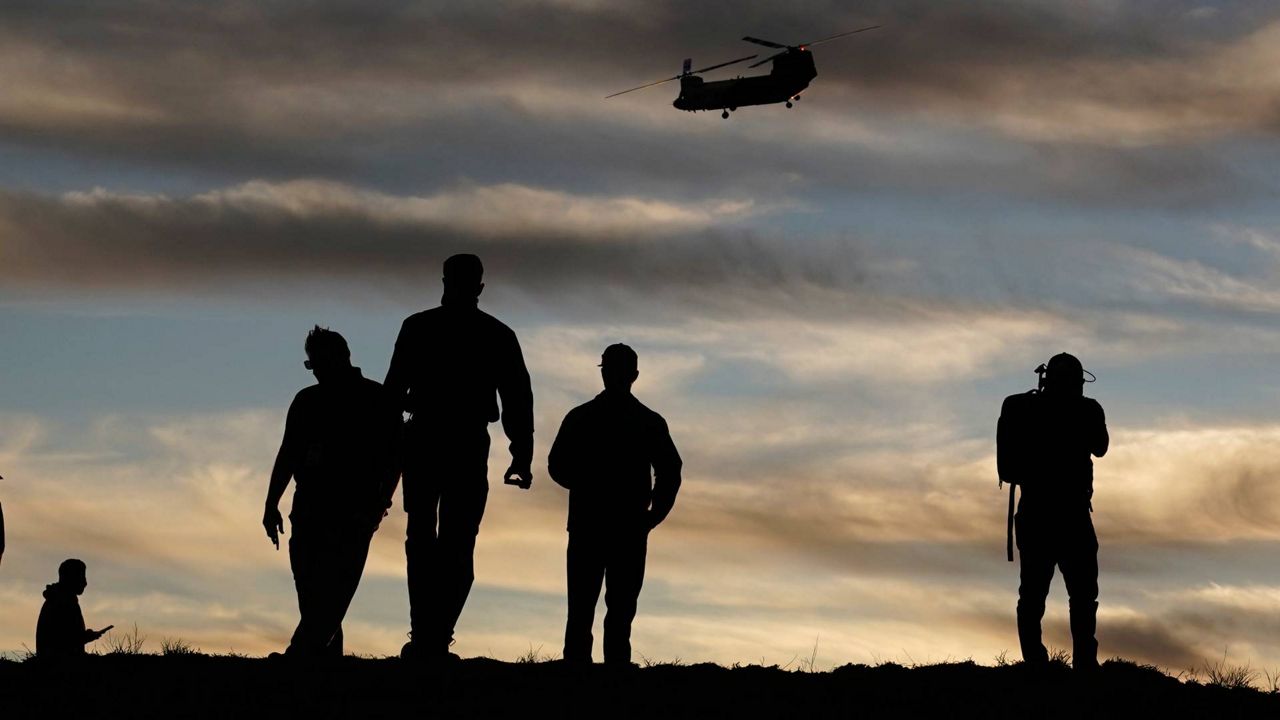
793, 70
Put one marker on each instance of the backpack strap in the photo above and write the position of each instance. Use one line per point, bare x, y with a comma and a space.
1008, 545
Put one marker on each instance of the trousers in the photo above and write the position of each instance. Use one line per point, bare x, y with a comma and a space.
327, 560
446, 488
1069, 543
596, 558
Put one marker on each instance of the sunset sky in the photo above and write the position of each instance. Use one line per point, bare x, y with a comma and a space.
829, 303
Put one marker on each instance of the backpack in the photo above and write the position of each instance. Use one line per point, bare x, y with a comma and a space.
1014, 432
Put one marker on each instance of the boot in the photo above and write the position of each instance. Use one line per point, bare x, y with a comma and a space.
1029, 617
1084, 626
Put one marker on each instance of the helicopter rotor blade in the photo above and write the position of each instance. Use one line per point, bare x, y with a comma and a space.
714, 67
641, 87
768, 59
677, 77
766, 43
836, 37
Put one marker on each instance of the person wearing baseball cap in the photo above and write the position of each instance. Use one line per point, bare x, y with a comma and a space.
617, 460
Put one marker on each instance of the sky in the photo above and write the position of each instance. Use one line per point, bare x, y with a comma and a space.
829, 303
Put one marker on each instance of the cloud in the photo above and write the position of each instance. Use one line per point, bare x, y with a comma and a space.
347, 90
260, 229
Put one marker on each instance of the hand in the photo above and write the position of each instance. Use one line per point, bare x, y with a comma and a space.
377, 518
274, 524
651, 520
521, 477
96, 634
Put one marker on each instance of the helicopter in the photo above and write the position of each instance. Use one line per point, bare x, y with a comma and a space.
792, 71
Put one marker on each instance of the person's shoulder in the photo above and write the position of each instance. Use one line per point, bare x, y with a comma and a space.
307, 394
420, 317
584, 410
494, 324
649, 414
1093, 404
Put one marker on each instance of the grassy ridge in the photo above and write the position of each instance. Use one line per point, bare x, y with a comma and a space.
199, 686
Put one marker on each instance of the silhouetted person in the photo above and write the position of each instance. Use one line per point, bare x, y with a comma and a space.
341, 447
604, 455
450, 367
1045, 440
1, 530
60, 632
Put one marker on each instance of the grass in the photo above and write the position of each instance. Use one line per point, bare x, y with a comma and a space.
178, 647
1222, 674
125, 643
534, 656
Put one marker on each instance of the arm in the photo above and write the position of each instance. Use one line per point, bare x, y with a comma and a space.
397, 380
393, 431
666, 474
1099, 440
562, 460
1, 532
517, 408
283, 470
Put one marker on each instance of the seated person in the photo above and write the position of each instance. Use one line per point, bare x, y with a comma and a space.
60, 632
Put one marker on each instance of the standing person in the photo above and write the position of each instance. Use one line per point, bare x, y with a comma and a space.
340, 446
60, 631
450, 367
1, 530
604, 455
1044, 441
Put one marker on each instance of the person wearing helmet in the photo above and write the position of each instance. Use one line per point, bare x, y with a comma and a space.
1059, 433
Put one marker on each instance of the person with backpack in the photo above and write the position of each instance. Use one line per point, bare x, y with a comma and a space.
1046, 439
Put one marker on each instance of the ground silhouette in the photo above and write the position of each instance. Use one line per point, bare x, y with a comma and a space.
198, 686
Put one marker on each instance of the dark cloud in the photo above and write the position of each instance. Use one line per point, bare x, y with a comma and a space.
424, 91
114, 241
1152, 640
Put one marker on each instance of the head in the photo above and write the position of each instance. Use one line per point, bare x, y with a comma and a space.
462, 277
618, 368
327, 353
1064, 375
71, 575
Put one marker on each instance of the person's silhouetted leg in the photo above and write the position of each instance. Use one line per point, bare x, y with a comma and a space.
585, 565
327, 567
624, 576
461, 510
1036, 564
334, 648
306, 578
420, 556
449, 488
1080, 573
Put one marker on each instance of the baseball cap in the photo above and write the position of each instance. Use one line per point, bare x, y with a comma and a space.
620, 355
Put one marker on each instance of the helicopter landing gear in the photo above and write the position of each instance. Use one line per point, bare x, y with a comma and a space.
725, 114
